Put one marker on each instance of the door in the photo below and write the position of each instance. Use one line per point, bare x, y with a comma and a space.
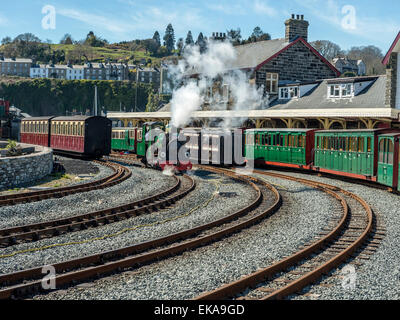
385, 160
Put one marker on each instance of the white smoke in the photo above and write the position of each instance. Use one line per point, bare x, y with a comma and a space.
197, 72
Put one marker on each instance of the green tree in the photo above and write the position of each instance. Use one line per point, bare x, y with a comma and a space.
179, 46
157, 38
234, 36
6, 40
153, 102
201, 42
189, 39
67, 39
169, 38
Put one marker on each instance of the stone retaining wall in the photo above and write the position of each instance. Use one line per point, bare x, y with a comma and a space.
15, 171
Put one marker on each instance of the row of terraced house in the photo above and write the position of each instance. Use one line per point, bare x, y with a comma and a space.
89, 71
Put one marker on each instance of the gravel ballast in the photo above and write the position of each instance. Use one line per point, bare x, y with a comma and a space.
305, 212
143, 183
377, 278
140, 231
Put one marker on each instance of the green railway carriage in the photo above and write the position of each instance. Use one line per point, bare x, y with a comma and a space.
350, 153
142, 144
388, 160
283, 147
124, 139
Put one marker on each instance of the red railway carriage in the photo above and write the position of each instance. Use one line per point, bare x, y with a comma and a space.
82, 135
36, 131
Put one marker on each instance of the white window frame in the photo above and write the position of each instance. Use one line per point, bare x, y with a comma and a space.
272, 79
338, 91
287, 93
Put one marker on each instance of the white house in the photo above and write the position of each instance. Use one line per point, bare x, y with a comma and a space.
39, 71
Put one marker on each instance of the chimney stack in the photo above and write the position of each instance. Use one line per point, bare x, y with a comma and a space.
392, 76
296, 27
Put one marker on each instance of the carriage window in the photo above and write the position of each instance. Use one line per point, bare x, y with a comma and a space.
82, 130
381, 150
360, 144
391, 152
369, 149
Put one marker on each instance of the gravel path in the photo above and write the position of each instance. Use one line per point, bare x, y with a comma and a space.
304, 213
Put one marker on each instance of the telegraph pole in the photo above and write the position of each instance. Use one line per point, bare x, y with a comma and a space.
95, 100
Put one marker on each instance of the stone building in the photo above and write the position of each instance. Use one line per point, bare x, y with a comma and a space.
15, 66
392, 63
272, 63
358, 67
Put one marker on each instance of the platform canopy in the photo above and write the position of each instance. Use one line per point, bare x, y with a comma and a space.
369, 116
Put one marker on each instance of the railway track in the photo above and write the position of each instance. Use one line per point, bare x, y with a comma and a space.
28, 282
119, 175
345, 239
48, 229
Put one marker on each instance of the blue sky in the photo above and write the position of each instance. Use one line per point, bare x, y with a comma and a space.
376, 22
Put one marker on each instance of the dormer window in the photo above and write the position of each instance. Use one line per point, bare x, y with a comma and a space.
288, 93
340, 90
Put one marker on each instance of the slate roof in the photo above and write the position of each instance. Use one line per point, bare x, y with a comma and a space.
252, 54
372, 96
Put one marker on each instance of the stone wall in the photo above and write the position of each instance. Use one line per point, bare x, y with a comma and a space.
296, 63
391, 81
15, 171
296, 28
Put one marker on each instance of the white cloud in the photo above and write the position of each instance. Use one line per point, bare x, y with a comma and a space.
94, 20
228, 8
370, 28
181, 18
262, 7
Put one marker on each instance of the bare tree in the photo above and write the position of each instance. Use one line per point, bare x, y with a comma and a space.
327, 49
372, 57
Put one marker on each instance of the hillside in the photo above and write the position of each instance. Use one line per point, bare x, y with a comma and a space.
60, 97
101, 54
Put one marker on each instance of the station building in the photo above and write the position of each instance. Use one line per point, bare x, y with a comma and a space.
304, 89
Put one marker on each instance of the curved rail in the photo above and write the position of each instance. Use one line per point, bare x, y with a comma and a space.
234, 288
120, 174
107, 262
36, 231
